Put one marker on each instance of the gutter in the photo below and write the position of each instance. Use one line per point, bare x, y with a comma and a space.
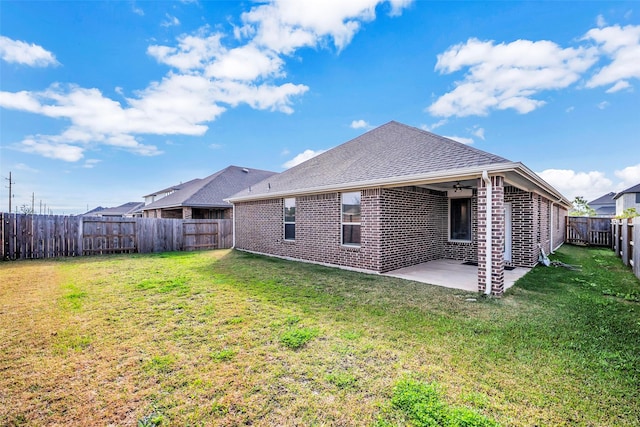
489, 220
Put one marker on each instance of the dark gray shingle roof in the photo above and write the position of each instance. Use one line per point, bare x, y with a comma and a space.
212, 190
606, 199
389, 151
634, 189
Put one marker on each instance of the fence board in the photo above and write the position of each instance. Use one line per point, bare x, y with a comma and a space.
48, 236
589, 231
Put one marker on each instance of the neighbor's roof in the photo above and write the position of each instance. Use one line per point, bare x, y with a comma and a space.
393, 154
121, 210
211, 191
634, 189
607, 199
173, 187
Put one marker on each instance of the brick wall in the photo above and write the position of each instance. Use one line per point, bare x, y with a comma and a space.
523, 232
414, 226
260, 228
496, 255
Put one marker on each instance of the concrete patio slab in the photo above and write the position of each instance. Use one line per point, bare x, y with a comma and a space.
452, 274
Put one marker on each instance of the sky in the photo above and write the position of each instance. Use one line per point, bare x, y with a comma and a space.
104, 102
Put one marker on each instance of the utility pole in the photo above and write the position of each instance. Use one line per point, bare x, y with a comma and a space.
33, 203
11, 182
40, 206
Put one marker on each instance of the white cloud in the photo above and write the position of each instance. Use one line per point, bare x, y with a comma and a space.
589, 185
171, 21
66, 152
360, 124
302, 157
479, 132
630, 176
206, 78
91, 163
503, 76
620, 85
430, 128
136, 9
461, 139
25, 168
600, 21
603, 105
622, 46
570, 109
20, 52
216, 146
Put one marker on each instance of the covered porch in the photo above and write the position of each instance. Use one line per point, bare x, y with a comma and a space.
453, 274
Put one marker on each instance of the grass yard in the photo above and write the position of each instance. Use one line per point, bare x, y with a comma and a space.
226, 338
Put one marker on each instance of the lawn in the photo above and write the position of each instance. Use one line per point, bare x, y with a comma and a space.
227, 338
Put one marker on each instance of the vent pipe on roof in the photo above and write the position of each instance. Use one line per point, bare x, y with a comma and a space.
245, 170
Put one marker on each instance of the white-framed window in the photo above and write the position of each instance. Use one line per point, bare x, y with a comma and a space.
290, 218
351, 218
460, 219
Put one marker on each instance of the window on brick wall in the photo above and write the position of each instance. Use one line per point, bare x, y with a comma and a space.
351, 219
460, 219
290, 218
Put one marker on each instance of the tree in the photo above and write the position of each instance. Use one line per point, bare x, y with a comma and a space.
26, 209
581, 208
628, 213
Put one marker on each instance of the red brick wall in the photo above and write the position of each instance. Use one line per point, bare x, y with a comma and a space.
260, 228
523, 232
414, 226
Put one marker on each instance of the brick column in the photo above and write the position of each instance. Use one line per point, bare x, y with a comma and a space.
187, 213
158, 213
497, 235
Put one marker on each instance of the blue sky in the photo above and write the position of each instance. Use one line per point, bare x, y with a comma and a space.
103, 102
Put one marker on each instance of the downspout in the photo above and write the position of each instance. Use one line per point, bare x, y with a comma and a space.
233, 226
489, 249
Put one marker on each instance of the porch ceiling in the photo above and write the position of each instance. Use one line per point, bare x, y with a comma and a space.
452, 274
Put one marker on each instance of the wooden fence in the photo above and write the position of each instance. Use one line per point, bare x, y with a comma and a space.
626, 236
48, 236
589, 231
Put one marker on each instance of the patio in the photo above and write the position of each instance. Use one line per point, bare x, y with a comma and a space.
452, 274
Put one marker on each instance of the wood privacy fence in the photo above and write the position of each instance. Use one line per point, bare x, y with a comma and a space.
626, 236
49, 236
589, 231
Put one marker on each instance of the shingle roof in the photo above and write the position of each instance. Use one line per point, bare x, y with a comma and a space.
389, 151
212, 190
173, 187
634, 189
121, 210
606, 199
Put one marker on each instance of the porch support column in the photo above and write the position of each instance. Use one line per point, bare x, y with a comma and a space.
187, 212
496, 232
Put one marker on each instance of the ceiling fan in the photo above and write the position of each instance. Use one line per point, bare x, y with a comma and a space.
458, 187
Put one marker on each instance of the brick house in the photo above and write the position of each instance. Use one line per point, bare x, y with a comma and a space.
398, 196
202, 198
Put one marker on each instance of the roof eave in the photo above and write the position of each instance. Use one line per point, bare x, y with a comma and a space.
418, 179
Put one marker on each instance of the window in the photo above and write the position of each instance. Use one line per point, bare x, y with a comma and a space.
290, 219
351, 219
460, 219
637, 197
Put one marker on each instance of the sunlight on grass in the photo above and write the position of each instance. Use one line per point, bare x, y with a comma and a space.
226, 338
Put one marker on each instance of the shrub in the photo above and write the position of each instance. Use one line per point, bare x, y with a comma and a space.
297, 338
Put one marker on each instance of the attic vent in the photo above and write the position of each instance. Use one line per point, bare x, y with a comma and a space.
245, 170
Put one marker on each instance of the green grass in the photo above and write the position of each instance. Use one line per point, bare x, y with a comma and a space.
226, 338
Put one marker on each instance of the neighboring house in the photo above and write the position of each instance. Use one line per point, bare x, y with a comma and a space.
629, 198
203, 198
127, 210
604, 205
399, 196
